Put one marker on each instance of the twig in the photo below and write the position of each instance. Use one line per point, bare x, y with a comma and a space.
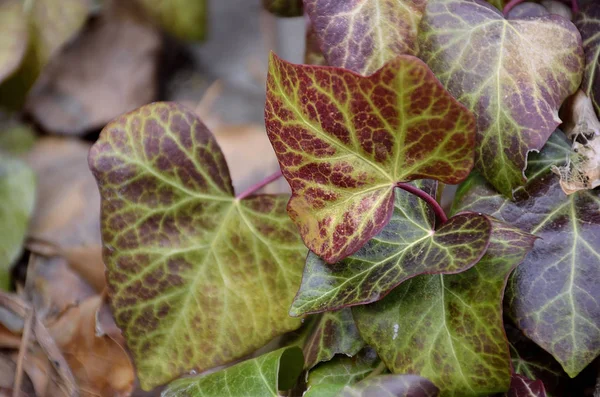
252, 189
435, 206
22, 351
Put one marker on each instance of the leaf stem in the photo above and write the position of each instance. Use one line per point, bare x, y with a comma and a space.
257, 186
439, 211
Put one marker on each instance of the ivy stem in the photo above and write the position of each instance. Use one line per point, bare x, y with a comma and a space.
437, 209
257, 186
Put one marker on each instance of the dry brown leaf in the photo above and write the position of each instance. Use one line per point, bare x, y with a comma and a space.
9, 339
7, 377
582, 170
110, 69
99, 364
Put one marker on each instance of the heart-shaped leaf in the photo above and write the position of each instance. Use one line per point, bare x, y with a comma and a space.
17, 195
362, 35
284, 8
499, 4
448, 328
553, 296
513, 75
13, 36
521, 386
408, 246
588, 23
260, 376
197, 278
185, 19
393, 386
326, 335
343, 142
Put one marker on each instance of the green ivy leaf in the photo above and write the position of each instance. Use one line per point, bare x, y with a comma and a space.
184, 19
448, 328
513, 75
408, 246
363, 35
588, 23
284, 8
260, 376
17, 195
196, 277
51, 24
343, 142
553, 296
326, 335
499, 4
392, 386
13, 36
520, 386
328, 379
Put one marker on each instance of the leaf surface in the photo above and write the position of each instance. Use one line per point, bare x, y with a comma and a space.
260, 376
17, 195
448, 328
196, 277
13, 36
513, 75
588, 23
362, 35
343, 141
553, 296
521, 386
392, 386
408, 246
184, 19
284, 8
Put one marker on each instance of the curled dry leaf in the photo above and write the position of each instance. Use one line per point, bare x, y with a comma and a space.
110, 69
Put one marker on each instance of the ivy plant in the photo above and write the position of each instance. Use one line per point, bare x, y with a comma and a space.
368, 285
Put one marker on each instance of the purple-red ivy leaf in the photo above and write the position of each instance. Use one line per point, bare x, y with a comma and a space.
407, 246
449, 328
362, 35
196, 277
520, 386
588, 23
391, 386
343, 142
554, 296
513, 74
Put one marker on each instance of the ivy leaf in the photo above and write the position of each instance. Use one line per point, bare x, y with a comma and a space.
328, 334
363, 35
588, 23
196, 277
260, 376
513, 75
499, 4
184, 19
521, 386
17, 195
393, 386
329, 378
51, 24
448, 328
553, 296
284, 8
408, 246
13, 36
343, 142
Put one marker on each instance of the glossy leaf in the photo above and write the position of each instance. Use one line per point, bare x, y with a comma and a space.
284, 8
521, 386
17, 195
13, 36
588, 23
196, 277
448, 328
408, 246
343, 142
260, 376
513, 75
392, 386
553, 296
184, 19
328, 334
329, 378
362, 35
